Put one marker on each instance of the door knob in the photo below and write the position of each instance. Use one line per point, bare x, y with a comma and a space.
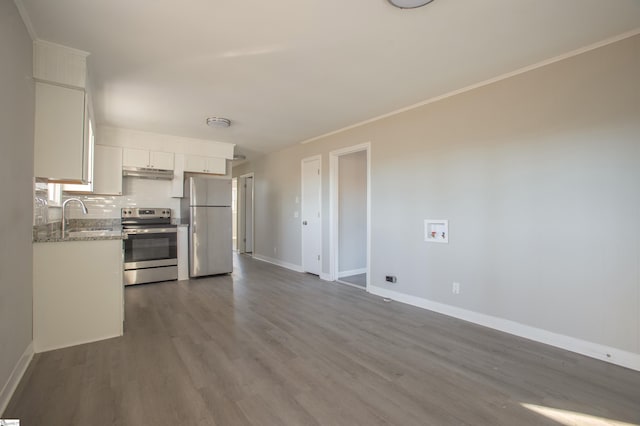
304, 222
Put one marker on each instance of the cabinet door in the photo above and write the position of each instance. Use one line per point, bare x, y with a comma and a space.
177, 184
135, 157
59, 151
161, 160
107, 170
197, 164
216, 166
194, 163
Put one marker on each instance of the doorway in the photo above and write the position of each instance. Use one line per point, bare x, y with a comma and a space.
245, 201
350, 215
234, 213
311, 215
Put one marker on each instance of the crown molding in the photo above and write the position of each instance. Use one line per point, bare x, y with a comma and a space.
523, 70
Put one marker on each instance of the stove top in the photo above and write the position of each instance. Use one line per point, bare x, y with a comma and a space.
138, 217
145, 213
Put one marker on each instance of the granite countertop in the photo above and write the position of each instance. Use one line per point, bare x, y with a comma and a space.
79, 230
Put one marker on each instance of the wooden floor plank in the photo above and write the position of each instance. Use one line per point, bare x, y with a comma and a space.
266, 345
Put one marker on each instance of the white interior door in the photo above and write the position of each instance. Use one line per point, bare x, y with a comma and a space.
248, 212
311, 218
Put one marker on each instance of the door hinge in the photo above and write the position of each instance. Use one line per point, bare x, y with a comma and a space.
318, 257
318, 172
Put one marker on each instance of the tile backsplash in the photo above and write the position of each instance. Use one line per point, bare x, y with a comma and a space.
137, 192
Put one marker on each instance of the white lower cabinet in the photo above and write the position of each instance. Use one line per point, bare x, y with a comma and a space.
77, 293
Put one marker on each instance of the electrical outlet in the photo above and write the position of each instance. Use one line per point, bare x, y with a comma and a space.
391, 279
455, 289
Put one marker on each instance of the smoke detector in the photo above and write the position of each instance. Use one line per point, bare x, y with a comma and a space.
218, 122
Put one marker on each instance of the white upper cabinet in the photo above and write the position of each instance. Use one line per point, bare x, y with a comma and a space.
161, 160
59, 64
135, 157
107, 170
142, 158
62, 144
60, 151
198, 164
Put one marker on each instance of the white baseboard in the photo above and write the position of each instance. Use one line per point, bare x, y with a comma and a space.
343, 274
15, 377
325, 277
594, 350
40, 347
278, 262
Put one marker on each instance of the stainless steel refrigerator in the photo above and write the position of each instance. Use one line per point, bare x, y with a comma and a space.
207, 204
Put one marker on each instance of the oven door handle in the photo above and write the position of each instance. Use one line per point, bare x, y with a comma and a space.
150, 231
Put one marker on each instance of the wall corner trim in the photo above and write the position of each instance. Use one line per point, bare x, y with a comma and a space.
14, 379
325, 277
26, 19
291, 266
593, 350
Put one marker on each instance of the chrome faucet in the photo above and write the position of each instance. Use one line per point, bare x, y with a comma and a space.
64, 221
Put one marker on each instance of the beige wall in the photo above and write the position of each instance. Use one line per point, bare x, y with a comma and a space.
16, 171
539, 177
352, 211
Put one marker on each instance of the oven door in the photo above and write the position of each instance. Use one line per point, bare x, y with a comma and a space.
150, 248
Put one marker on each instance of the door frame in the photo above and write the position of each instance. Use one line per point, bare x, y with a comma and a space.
306, 160
242, 212
334, 211
235, 225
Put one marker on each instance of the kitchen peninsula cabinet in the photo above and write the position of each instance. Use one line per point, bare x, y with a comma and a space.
77, 292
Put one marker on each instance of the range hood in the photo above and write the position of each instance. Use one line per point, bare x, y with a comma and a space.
145, 173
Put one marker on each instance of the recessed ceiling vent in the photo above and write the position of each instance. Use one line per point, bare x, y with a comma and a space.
409, 4
218, 122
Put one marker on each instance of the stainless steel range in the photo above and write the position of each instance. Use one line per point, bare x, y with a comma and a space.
150, 246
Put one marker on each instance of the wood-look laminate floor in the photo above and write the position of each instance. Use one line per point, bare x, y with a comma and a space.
269, 346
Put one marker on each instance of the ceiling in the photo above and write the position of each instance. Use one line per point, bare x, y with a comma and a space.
285, 71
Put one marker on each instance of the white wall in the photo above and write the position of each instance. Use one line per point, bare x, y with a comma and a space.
136, 192
538, 175
352, 211
16, 171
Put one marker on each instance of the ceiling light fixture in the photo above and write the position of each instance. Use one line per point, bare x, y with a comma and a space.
409, 4
218, 122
